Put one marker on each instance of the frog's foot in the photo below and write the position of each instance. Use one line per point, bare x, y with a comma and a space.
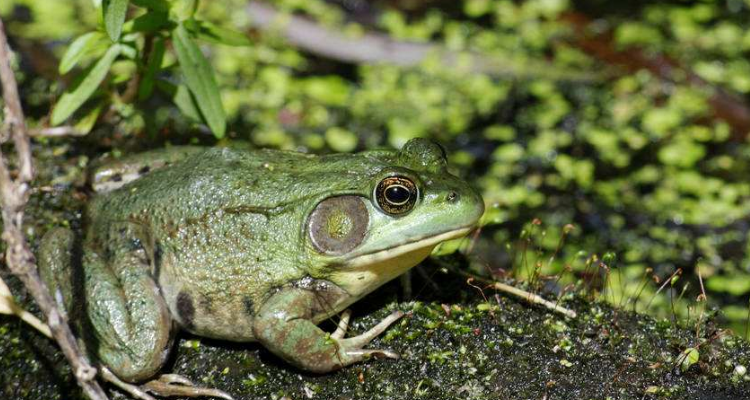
165, 385
176, 385
283, 325
134, 390
353, 346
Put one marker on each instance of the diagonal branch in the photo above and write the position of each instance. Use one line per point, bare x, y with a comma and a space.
20, 259
725, 105
376, 48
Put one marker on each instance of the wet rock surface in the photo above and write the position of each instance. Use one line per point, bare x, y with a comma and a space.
469, 349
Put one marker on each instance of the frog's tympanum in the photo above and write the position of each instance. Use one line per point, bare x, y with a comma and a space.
248, 246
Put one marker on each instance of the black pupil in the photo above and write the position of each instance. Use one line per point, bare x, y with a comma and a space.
397, 194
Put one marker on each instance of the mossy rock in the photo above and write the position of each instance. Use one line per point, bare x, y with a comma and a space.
501, 349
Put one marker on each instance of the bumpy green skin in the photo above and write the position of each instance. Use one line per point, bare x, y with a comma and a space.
216, 242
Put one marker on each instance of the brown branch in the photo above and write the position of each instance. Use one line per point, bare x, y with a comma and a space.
725, 105
375, 48
20, 259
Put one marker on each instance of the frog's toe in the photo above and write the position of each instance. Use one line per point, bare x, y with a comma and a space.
377, 353
174, 378
357, 342
134, 390
343, 325
176, 385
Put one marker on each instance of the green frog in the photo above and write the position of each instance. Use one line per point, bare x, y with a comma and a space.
248, 245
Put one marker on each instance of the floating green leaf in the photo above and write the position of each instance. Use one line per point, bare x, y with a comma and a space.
79, 48
341, 139
71, 100
735, 285
199, 78
114, 17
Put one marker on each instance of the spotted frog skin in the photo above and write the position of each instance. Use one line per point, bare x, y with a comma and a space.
248, 246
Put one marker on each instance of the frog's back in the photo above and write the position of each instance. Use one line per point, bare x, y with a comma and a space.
263, 181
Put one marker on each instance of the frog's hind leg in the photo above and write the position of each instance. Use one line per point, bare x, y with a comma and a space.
56, 257
130, 325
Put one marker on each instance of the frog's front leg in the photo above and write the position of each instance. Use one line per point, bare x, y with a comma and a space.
284, 325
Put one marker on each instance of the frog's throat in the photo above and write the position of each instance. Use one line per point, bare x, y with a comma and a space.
365, 273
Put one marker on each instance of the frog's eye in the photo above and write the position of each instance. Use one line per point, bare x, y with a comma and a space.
396, 195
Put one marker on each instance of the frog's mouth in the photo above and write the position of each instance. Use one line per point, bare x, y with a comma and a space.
363, 273
423, 243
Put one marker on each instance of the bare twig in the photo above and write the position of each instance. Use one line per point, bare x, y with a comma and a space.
374, 48
533, 298
20, 260
522, 294
56, 131
9, 306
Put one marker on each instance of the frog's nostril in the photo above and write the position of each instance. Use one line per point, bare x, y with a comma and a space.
452, 197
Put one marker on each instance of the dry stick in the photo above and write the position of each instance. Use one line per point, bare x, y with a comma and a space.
19, 257
374, 48
55, 131
533, 298
9, 306
530, 297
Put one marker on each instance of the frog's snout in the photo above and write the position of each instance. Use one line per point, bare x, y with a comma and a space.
475, 205
463, 205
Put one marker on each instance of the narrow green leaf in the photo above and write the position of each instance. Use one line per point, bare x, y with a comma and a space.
149, 22
78, 49
156, 5
183, 9
182, 98
187, 104
216, 34
87, 122
114, 17
199, 78
152, 67
71, 100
